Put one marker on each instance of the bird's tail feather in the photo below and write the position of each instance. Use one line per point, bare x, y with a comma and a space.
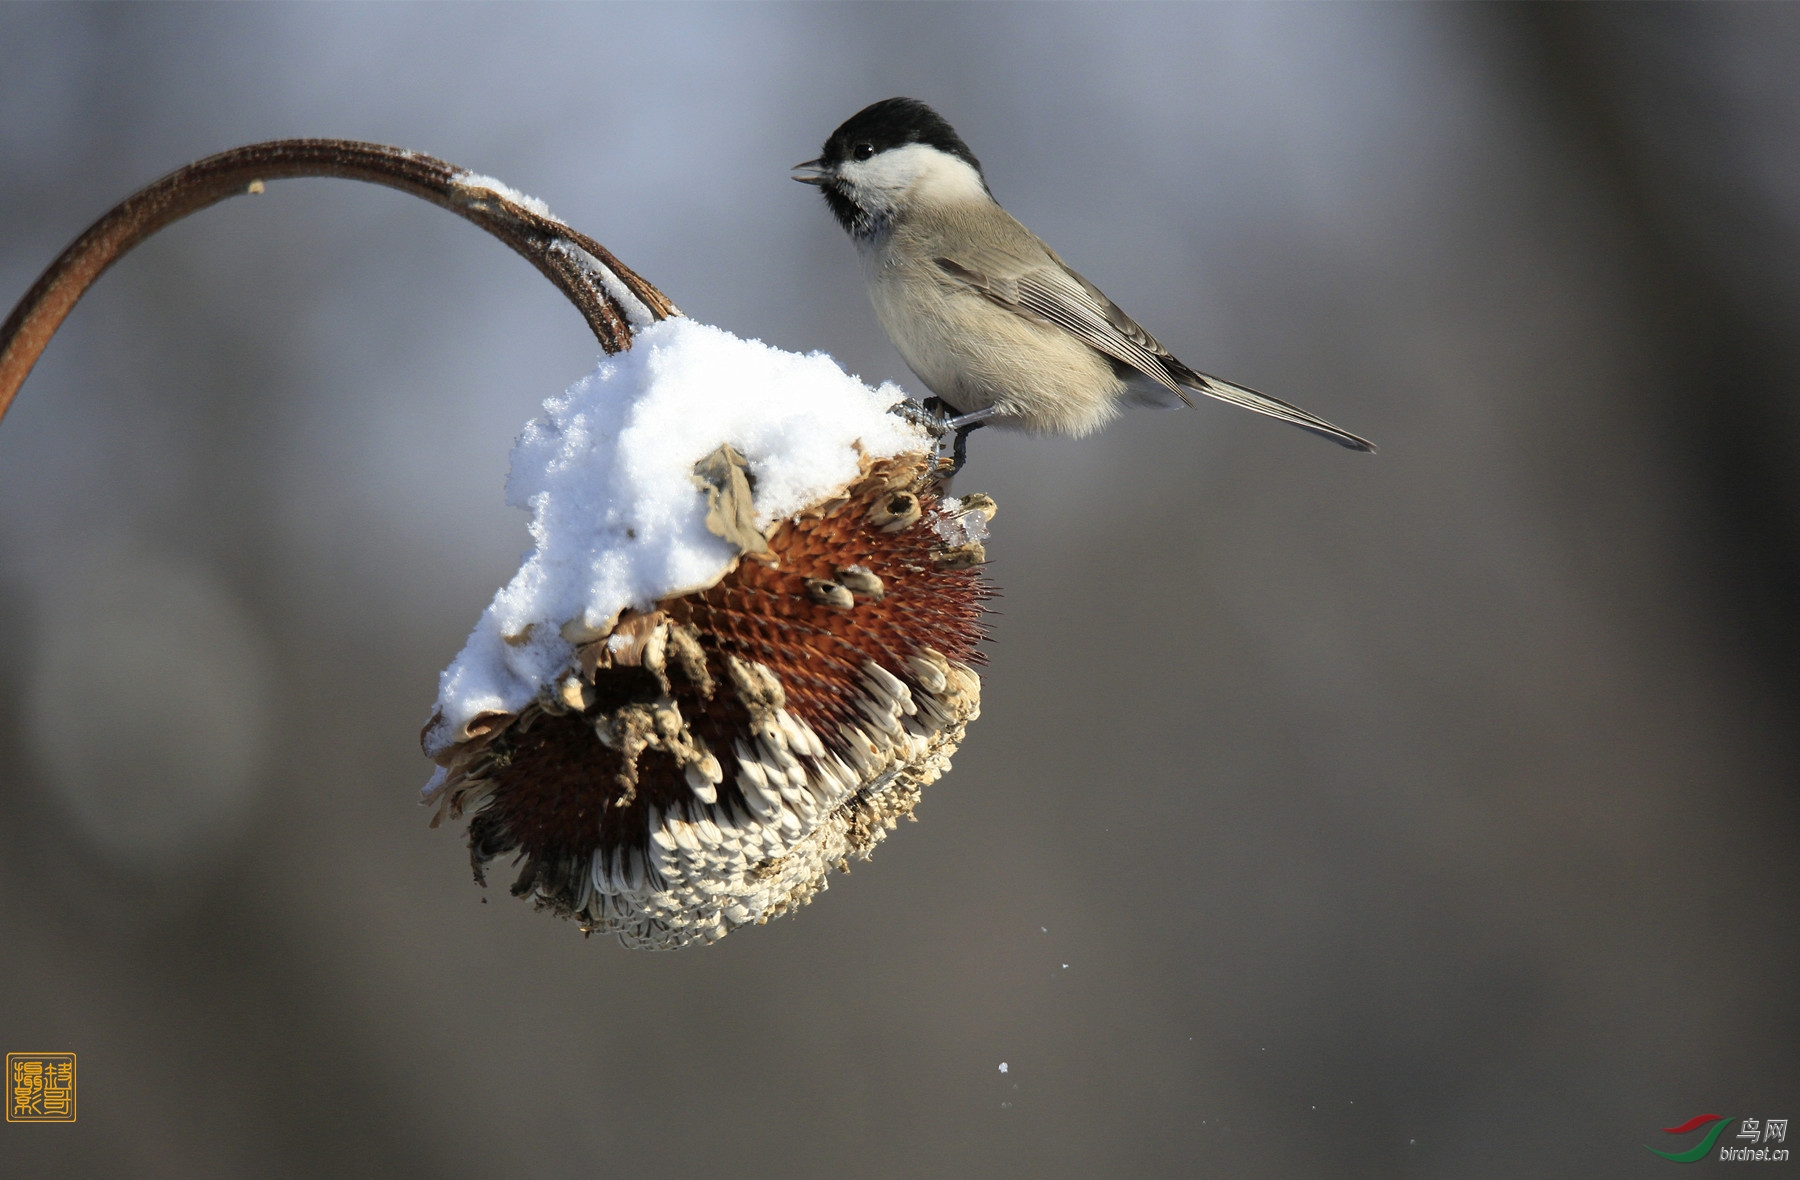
1274, 407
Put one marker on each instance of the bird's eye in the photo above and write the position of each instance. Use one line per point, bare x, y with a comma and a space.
863, 151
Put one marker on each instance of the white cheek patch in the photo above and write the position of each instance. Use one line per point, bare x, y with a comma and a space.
918, 170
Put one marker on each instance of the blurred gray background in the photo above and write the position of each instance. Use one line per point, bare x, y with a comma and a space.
1433, 814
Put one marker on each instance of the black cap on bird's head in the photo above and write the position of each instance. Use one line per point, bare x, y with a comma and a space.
877, 128
891, 123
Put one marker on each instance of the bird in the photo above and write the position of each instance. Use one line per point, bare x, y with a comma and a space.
1000, 329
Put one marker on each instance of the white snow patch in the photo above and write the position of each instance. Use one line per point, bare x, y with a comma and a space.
501, 188
607, 471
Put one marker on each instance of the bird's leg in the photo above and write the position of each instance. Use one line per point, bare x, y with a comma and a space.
962, 426
960, 453
963, 423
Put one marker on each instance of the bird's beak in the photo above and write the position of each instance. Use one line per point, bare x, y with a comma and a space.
812, 172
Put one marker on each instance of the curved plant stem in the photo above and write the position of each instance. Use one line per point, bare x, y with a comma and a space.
609, 295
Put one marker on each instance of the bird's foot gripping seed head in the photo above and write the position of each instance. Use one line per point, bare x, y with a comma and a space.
944, 423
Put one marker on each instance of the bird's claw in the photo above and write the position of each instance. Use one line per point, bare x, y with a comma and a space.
926, 416
943, 423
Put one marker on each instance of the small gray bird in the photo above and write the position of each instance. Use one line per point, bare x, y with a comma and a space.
992, 321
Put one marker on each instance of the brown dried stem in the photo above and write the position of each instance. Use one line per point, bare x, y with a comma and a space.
581, 268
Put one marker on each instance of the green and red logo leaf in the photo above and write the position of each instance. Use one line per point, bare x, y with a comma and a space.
1699, 1149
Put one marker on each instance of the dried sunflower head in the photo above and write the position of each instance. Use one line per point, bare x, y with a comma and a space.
702, 761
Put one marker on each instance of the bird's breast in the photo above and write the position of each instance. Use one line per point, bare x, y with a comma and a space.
973, 353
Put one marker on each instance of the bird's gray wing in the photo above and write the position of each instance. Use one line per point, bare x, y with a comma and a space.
1056, 294
1052, 292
